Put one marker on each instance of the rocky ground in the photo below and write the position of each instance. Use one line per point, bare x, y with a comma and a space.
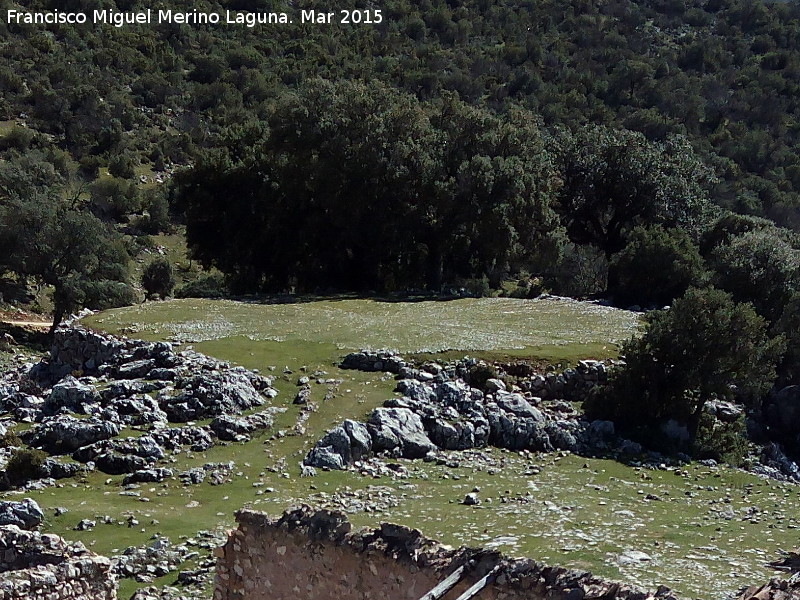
449, 407
123, 407
135, 411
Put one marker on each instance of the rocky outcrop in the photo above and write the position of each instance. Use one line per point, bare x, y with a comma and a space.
776, 589
71, 394
36, 566
366, 360
65, 434
316, 555
120, 383
399, 431
154, 475
448, 414
121, 456
211, 395
232, 428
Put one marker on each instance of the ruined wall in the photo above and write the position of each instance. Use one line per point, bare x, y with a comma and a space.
314, 555
36, 566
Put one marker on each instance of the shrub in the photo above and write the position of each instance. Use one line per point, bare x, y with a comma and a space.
89, 166
102, 295
706, 346
211, 285
114, 197
529, 287
10, 440
158, 277
477, 287
122, 166
479, 374
157, 219
759, 267
19, 138
656, 266
24, 465
724, 442
729, 226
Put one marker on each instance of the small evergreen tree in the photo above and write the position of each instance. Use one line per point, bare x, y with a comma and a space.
158, 277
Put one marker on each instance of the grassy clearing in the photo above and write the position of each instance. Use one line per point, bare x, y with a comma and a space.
707, 531
518, 327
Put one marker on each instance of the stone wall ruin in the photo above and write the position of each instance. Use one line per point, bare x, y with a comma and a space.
40, 566
315, 555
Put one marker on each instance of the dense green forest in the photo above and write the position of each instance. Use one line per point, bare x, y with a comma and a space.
705, 91
647, 152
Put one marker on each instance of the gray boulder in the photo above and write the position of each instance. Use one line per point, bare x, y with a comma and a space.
495, 385
138, 411
360, 439
727, 412
416, 390
154, 475
231, 428
517, 404
451, 436
324, 457
121, 456
518, 433
453, 393
59, 470
135, 369
115, 463
126, 388
341, 446
65, 434
71, 394
197, 438
399, 430
373, 361
210, 395
303, 396
25, 514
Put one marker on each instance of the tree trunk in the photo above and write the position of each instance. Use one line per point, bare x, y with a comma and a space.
58, 316
435, 267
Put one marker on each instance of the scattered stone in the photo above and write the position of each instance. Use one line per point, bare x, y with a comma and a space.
471, 499
85, 525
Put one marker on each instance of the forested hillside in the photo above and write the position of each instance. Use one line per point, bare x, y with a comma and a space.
725, 73
567, 144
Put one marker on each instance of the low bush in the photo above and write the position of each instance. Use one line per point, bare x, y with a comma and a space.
24, 465
211, 285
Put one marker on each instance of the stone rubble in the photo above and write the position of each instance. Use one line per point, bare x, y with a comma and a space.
37, 566
439, 410
92, 387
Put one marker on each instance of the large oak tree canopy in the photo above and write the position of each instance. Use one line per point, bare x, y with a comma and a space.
614, 180
358, 186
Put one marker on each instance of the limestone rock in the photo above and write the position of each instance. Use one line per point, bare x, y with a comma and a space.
25, 514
